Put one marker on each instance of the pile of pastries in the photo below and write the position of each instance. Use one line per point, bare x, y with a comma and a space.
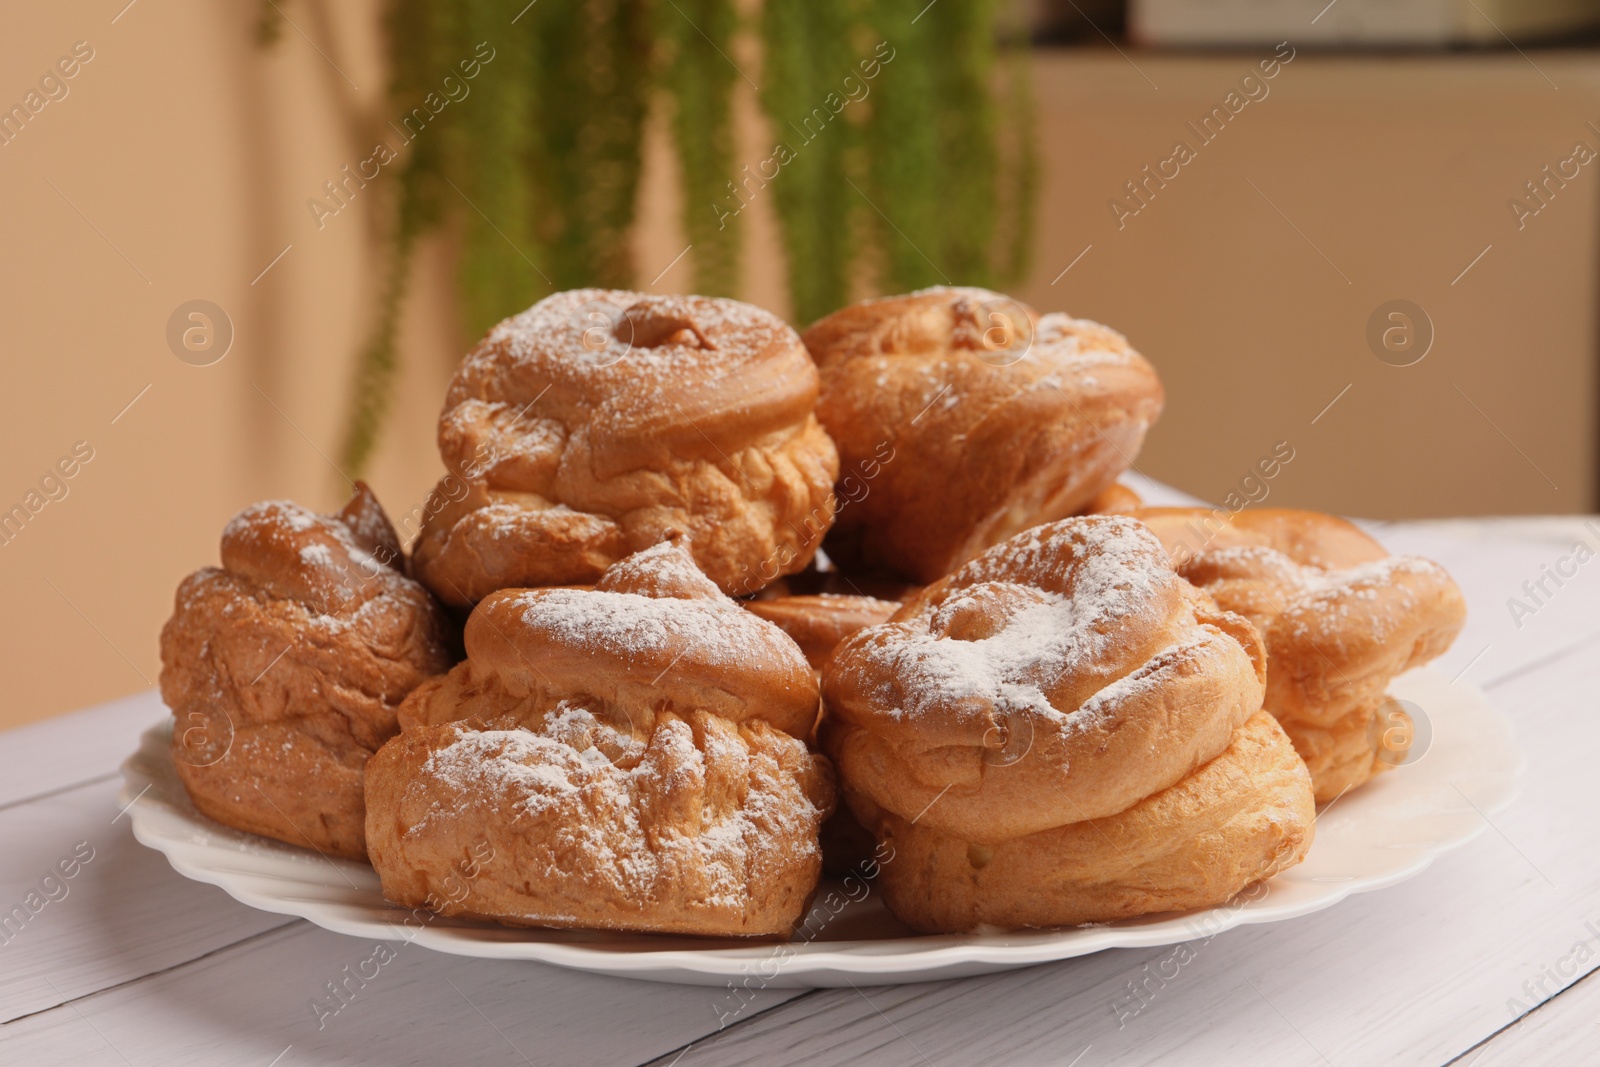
704, 607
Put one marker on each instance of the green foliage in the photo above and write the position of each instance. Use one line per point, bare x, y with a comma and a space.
484, 151
952, 162
924, 169
590, 72
960, 53
700, 76
903, 140
808, 53
376, 366
1018, 184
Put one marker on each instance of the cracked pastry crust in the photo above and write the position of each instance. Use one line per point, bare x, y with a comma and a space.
632, 755
285, 667
600, 422
1341, 618
1062, 687
965, 417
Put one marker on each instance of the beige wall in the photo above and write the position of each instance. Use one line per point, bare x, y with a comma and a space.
190, 153
1397, 171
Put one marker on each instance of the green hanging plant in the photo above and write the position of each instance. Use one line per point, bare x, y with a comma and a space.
590, 70
953, 163
700, 76
904, 161
535, 155
961, 52
500, 264
808, 57
901, 139
1018, 192
378, 362
416, 208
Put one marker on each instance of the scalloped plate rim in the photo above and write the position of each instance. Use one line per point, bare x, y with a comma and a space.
832, 963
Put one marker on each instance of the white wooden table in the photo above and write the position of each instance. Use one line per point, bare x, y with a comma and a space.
1487, 958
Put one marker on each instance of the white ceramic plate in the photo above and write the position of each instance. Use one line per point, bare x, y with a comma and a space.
1374, 837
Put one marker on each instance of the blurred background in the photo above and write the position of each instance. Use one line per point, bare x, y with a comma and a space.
247, 243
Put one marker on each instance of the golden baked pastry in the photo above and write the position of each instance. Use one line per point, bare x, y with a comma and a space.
600, 422
966, 417
1114, 499
1340, 618
285, 668
819, 621
1241, 817
1064, 731
632, 755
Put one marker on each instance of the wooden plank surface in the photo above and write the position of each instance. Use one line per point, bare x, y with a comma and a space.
1417, 973
66, 751
261, 996
122, 914
134, 964
1566, 1029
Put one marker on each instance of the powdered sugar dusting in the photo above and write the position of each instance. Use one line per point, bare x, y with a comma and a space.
1147, 674
1248, 558
664, 570
502, 758
1371, 591
629, 823
296, 517
292, 552
627, 625
504, 521
584, 333
1061, 342
1078, 344
1096, 577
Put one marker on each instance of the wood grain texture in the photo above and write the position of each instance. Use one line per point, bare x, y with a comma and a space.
137, 965
61, 752
1413, 974
123, 914
1566, 1029
422, 1007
